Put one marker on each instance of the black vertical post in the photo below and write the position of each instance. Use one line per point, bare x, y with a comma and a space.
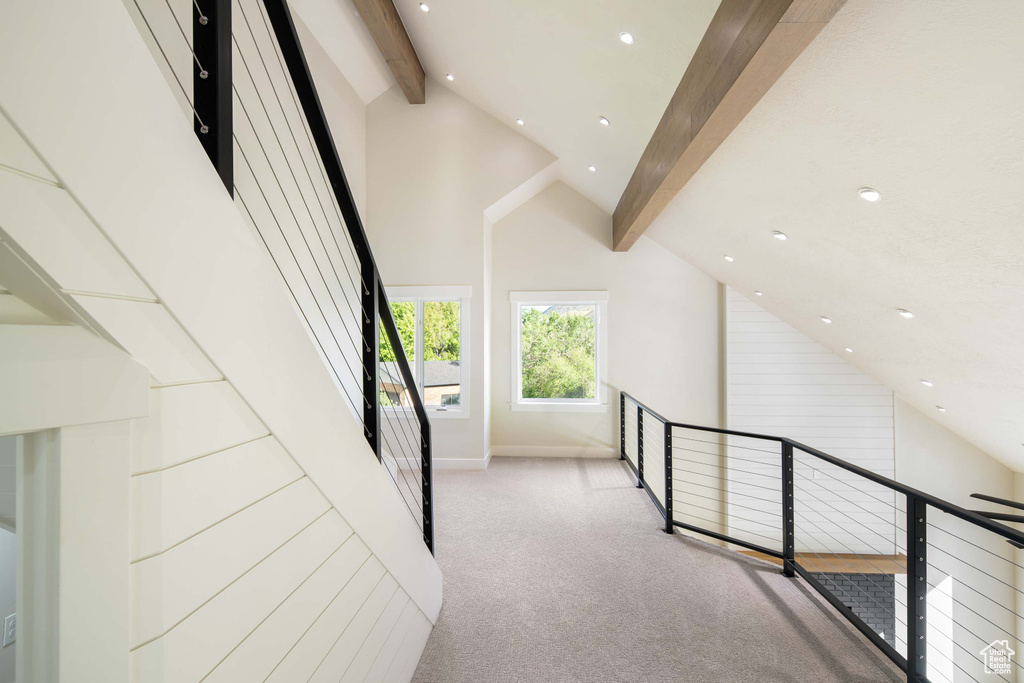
669, 527
211, 83
371, 355
622, 426
426, 470
639, 447
917, 589
788, 524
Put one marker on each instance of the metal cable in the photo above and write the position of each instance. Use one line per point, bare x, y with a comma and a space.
291, 132
319, 161
291, 209
170, 67
725, 502
306, 318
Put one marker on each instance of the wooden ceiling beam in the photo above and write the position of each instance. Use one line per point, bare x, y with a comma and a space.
385, 25
746, 48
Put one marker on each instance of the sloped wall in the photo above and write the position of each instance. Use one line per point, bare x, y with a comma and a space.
265, 539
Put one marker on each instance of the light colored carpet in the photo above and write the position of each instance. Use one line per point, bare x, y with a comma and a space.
556, 570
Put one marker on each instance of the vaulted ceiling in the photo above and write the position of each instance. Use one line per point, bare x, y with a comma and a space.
922, 100
559, 66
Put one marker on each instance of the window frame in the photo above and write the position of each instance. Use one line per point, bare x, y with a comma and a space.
435, 293
597, 298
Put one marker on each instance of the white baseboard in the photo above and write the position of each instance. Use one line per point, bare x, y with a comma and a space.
461, 463
554, 451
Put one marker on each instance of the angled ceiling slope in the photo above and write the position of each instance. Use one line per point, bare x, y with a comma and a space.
559, 66
922, 101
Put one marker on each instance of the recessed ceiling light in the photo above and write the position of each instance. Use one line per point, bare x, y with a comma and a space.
826, 320
927, 383
728, 258
940, 409
779, 235
604, 122
758, 293
869, 194
626, 37
449, 77
905, 313
521, 122
592, 168
849, 350
425, 7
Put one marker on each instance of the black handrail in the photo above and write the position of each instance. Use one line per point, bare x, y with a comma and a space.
374, 301
945, 506
917, 505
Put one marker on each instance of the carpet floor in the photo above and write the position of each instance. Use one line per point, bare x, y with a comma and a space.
557, 571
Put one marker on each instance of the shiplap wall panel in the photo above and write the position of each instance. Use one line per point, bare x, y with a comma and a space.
191, 420
16, 153
347, 646
372, 645
310, 651
34, 213
783, 383
168, 587
193, 648
389, 649
174, 504
241, 553
404, 666
267, 646
149, 333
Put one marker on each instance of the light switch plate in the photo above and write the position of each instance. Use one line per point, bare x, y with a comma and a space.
10, 629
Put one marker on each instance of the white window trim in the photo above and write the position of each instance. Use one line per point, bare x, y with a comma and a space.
595, 405
462, 294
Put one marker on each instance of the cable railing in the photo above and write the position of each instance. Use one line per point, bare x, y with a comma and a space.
936, 587
238, 70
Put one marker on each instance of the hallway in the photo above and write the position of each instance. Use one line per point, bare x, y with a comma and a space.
556, 570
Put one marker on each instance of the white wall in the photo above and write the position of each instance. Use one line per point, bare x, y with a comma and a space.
432, 171
662, 324
253, 496
346, 113
781, 382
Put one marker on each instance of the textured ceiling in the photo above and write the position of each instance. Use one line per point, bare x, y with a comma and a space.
559, 65
923, 100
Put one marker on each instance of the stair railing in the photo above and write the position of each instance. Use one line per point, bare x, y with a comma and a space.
934, 586
255, 109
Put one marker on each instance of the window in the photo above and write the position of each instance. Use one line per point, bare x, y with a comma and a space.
433, 323
558, 342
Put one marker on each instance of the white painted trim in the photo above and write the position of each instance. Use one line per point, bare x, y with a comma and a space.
554, 452
432, 292
552, 406
560, 297
63, 375
461, 463
596, 405
418, 295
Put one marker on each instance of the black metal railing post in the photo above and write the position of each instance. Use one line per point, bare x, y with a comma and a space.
371, 358
427, 472
669, 526
639, 447
917, 589
788, 522
622, 426
211, 84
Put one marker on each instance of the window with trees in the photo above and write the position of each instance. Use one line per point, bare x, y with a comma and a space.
558, 350
433, 323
